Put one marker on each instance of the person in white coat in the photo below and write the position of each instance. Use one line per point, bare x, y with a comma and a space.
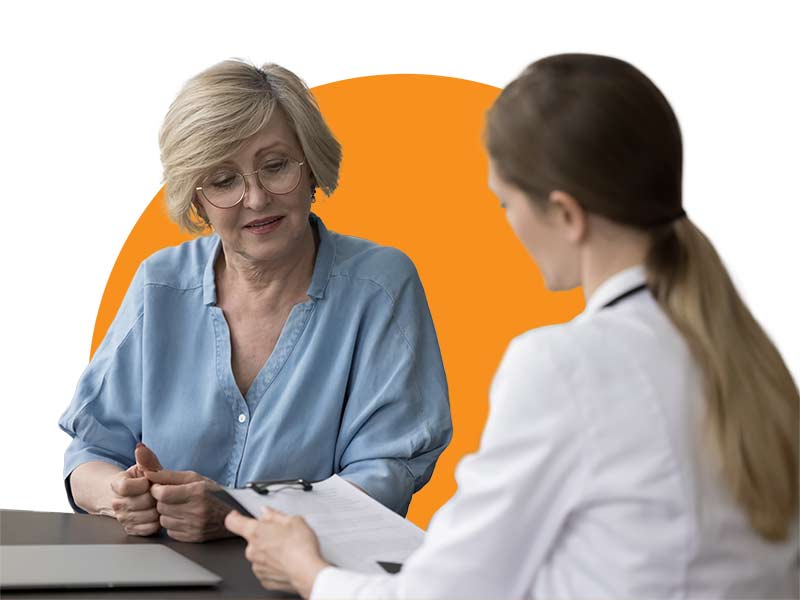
649, 447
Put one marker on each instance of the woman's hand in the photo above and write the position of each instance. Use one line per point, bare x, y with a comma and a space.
186, 510
132, 504
283, 549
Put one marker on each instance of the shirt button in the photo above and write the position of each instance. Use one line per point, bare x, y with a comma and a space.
242, 418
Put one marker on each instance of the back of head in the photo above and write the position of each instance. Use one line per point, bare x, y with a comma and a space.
600, 130
218, 109
594, 127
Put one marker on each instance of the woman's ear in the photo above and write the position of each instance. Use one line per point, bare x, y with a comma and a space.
313, 187
569, 215
201, 212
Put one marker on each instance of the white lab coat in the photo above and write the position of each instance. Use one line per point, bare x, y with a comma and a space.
593, 479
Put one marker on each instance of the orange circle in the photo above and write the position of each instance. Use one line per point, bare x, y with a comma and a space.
414, 177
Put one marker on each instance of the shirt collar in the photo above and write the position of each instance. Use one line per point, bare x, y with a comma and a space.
209, 283
617, 284
326, 254
323, 265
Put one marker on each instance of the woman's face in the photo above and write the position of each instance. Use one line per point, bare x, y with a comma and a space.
264, 227
538, 229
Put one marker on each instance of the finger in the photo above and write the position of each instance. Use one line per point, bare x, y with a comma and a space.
251, 553
173, 523
175, 494
194, 508
139, 517
134, 471
275, 586
258, 570
123, 505
170, 510
146, 459
240, 525
142, 529
184, 536
131, 503
261, 571
271, 580
130, 486
167, 477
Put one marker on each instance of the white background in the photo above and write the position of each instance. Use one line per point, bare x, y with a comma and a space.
85, 86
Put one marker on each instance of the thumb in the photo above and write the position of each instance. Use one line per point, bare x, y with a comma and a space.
239, 524
146, 459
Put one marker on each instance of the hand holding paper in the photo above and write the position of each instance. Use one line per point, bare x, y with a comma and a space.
333, 524
283, 549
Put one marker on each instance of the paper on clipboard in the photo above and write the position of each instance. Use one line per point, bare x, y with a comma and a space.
354, 531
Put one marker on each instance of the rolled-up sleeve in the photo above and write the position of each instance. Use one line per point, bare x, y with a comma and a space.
104, 417
396, 421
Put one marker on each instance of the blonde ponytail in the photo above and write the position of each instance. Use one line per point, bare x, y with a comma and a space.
752, 401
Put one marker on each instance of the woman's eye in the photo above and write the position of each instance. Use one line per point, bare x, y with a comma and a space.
222, 181
275, 166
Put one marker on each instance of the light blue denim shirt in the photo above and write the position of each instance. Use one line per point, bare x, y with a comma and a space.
354, 386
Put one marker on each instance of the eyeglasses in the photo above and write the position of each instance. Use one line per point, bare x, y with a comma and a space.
226, 187
263, 487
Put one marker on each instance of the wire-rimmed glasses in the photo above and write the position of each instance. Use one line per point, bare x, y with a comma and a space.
226, 187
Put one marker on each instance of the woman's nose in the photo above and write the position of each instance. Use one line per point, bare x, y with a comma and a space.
255, 196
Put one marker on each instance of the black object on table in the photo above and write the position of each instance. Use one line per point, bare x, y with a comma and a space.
223, 557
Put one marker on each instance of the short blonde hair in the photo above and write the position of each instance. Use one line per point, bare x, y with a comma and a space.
218, 109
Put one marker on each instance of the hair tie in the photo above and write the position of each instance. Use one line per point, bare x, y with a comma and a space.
667, 220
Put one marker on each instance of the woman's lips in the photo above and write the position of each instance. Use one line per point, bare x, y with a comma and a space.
263, 226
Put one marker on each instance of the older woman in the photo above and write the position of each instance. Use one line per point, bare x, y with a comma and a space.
270, 349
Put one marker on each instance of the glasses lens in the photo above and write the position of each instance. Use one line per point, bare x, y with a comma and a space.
223, 188
279, 175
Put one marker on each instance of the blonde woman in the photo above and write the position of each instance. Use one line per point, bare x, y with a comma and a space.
270, 349
648, 448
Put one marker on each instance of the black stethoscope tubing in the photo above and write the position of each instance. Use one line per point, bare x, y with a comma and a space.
623, 295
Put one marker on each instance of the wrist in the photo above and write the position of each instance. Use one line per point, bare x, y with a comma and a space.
305, 574
90, 486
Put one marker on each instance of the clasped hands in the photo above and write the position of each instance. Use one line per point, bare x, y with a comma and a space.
147, 497
283, 550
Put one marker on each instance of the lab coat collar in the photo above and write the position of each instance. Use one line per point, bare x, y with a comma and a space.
617, 284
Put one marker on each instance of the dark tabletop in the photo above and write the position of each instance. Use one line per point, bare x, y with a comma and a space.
223, 557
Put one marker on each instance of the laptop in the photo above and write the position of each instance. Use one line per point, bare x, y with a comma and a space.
99, 566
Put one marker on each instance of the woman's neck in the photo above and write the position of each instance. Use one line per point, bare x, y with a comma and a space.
612, 248
268, 281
